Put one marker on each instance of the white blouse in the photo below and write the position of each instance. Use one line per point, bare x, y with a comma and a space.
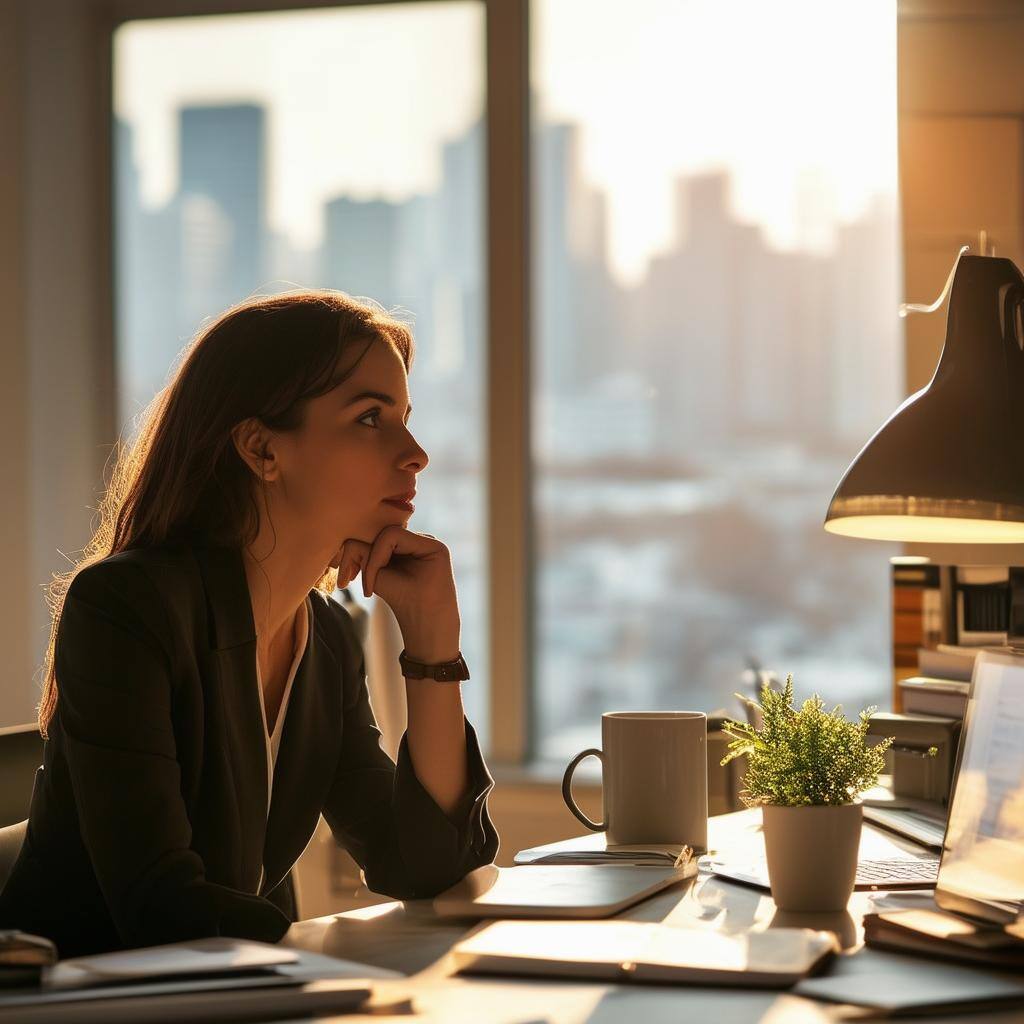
273, 740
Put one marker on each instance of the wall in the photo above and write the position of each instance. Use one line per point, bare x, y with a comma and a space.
961, 153
16, 581
57, 413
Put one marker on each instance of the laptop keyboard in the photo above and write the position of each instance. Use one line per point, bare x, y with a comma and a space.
881, 873
878, 872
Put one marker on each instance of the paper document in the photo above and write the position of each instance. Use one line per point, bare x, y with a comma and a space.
593, 848
217, 954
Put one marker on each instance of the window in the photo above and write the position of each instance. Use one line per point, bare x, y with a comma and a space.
716, 278
715, 274
338, 148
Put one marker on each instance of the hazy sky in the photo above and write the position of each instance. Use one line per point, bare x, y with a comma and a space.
796, 99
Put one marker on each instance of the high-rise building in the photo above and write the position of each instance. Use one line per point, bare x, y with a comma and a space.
222, 206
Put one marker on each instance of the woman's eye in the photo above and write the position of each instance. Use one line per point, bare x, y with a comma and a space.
372, 412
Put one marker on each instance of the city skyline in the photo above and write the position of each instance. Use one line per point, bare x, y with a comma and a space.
424, 257
802, 161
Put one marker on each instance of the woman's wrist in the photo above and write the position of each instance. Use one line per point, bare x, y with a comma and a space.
433, 651
434, 641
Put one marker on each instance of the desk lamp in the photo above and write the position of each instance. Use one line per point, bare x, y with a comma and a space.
948, 464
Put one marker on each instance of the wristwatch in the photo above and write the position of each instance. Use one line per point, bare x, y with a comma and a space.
444, 672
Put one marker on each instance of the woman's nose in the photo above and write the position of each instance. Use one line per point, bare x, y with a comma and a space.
417, 456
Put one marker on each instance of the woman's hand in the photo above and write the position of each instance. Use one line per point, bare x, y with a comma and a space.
412, 573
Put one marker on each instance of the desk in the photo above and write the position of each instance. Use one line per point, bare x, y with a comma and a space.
407, 937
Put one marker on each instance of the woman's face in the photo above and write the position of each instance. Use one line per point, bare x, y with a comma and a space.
354, 451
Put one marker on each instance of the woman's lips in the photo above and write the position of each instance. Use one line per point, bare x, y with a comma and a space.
406, 506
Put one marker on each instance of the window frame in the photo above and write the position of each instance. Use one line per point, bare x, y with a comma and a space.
508, 484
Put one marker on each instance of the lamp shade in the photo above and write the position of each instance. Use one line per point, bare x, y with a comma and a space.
948, 465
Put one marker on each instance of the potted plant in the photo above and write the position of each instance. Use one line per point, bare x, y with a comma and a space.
805, 770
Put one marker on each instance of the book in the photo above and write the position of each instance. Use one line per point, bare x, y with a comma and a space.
932, 932
593, 848
926, 695
917, 610
643, 951
946, 661
546, 890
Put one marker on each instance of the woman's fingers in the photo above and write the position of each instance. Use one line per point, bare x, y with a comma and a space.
383, 548
390, 541
350, 556
356, 555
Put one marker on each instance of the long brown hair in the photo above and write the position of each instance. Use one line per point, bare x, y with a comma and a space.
182, 478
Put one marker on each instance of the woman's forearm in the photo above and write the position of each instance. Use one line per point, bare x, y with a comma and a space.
437, 739
436, 727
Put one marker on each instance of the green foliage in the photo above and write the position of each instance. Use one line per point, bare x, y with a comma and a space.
809, 756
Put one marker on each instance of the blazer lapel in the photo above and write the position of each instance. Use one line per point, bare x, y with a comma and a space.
308, 754
233, 653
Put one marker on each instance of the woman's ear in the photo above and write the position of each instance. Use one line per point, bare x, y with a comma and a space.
254, 444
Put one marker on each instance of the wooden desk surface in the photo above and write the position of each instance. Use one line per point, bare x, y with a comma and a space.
407, 937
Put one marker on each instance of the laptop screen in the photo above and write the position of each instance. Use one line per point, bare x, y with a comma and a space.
982, 870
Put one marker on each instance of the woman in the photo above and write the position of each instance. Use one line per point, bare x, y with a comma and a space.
204, 696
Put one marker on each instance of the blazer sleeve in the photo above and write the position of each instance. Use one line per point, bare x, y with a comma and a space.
114, 707
405, 844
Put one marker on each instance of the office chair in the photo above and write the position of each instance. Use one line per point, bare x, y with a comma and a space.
11, 839
21, 752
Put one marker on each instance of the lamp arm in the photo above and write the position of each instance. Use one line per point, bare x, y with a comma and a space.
917, 307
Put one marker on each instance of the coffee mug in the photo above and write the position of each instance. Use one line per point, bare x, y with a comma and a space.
654, 778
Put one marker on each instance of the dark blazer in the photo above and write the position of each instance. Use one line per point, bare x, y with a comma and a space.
148, 820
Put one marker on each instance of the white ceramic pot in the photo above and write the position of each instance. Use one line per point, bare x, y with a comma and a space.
812, 854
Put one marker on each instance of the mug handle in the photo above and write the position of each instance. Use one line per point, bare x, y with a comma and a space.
567, 788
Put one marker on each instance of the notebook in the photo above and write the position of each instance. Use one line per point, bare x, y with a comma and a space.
545, 890
643, 951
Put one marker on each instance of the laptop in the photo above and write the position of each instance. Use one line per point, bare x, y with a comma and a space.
980, 872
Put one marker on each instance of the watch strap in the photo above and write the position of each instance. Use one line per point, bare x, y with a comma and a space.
445, 671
